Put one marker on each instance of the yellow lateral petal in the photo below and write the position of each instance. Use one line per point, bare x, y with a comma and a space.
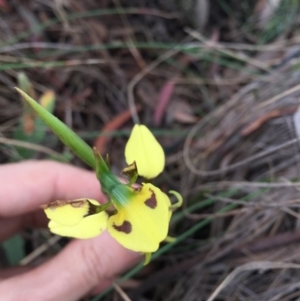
144, 222
90, 226
143, 149
69, 213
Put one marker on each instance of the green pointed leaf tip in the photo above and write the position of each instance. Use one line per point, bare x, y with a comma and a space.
65, 134
101, 166
106, 178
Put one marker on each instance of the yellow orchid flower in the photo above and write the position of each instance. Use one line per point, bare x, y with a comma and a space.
142, 215
143, 149
80, 218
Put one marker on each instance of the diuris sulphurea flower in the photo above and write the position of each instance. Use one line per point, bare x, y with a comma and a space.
141, 215
137, 217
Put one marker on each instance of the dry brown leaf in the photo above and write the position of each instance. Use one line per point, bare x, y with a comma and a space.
163, 99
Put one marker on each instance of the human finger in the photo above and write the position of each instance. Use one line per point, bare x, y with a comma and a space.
77, 270
25, 186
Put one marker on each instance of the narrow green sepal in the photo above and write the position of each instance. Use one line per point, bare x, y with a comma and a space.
132, 180
119, 193
131, 172
65, 134
104, 207
107, 160
107, 180
101, 166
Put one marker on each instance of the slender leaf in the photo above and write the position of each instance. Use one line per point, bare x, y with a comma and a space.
65, 134
31, 127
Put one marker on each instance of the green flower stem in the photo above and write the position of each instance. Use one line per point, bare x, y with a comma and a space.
180, 238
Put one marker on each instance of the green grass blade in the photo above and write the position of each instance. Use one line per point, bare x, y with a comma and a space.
65, 134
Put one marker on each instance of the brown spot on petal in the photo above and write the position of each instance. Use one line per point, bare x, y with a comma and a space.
59, 203
77, 204
92, 209
151, 202
125, 227
55, 204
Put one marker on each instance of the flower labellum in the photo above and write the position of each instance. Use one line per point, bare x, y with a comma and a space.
143, 149
143, 222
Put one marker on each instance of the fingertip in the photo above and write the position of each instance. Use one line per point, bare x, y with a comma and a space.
102, 258
29, 184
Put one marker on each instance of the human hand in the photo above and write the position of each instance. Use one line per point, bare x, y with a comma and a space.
84, 265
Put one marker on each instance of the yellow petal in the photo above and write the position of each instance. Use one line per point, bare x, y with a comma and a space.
90, 226
69, 213
143, 149
143, 222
